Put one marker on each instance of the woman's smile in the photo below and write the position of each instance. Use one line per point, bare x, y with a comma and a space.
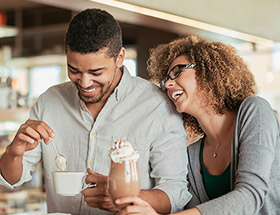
175, 94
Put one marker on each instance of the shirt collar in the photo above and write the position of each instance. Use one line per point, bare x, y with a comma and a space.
124, 84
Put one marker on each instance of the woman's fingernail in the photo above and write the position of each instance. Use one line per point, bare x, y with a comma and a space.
117, 201
52, 135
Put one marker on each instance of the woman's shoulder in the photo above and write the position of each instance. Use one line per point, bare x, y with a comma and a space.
255, 101
254, 110
254, 104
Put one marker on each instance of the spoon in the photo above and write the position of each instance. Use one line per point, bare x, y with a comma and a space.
60, 160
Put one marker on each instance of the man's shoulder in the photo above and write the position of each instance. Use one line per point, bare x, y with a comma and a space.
154, 93
60, 89
153, 97
147, 87
143, 82
65, 91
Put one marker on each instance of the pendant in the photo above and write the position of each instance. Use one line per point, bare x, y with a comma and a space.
214, 155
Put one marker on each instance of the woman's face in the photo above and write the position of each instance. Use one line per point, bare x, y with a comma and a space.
183, 89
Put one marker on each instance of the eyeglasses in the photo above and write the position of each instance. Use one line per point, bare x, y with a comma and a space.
175, 72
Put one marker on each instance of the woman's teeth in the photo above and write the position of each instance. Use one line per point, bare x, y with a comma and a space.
89, 91
177, 94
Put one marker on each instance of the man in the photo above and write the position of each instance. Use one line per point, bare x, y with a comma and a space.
100, 105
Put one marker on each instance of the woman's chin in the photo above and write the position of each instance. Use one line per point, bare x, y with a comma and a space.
179, 110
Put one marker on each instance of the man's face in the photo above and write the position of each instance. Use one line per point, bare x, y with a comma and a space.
94, 74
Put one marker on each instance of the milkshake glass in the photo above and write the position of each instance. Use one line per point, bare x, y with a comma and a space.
123, 179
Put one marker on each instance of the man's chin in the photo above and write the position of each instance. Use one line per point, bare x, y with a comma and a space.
89, 99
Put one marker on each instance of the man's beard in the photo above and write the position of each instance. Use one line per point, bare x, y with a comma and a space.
91, 100
86, 99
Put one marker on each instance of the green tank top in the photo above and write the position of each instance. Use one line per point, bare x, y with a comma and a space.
215, 185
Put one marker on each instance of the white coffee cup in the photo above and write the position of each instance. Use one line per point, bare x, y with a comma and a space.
70, 183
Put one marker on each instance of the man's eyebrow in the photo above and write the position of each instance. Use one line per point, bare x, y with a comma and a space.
96, 70
90, 70
72, 67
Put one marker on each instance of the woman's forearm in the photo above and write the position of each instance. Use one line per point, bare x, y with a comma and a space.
193, 211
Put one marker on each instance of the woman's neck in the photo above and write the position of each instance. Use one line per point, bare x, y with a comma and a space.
217, 127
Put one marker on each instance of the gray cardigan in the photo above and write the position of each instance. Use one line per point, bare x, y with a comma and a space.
255, 165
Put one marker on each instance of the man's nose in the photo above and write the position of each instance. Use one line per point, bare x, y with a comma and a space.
85, 81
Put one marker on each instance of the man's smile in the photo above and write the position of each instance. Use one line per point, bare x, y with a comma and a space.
88, 90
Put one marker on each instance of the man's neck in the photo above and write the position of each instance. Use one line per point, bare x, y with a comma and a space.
95, 108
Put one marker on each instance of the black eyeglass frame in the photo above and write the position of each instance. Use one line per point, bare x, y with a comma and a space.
174, 76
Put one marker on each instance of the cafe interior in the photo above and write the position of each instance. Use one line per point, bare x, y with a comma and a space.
32, 54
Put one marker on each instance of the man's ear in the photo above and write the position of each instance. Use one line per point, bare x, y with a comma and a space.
120, 57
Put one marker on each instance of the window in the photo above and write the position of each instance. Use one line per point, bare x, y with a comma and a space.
43, 77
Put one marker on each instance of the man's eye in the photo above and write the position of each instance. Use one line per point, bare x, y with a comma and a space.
96, 74
73, 72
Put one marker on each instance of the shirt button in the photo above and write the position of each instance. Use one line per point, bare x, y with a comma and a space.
84, 108
93, 133
90, 163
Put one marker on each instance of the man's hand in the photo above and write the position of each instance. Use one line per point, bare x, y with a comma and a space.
28, 137
98, 196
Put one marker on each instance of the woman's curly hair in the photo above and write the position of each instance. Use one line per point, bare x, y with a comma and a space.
223, 79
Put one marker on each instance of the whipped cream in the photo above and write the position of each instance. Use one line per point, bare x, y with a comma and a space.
123, 151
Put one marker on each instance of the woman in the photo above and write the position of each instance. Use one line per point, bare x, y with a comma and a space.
235, 167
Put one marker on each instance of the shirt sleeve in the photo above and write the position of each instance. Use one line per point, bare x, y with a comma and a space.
29, 162
258, 135
168, 158
26, 176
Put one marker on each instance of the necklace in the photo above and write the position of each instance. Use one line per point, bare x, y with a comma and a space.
215, 150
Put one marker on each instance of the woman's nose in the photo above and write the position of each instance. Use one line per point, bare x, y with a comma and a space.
169, 84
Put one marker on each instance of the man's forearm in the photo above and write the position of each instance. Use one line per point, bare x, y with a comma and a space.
157, 199
11, 167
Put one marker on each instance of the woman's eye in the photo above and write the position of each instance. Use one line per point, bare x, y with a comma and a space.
176, 73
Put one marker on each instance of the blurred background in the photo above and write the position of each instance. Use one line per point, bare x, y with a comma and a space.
32, 54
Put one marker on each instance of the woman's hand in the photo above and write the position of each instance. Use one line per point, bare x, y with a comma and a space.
138, 206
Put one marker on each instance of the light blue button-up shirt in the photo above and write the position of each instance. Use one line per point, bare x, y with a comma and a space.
136, 111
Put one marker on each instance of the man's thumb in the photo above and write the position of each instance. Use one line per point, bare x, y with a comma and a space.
89, 171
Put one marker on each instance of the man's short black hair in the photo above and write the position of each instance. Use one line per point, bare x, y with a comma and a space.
92, 30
